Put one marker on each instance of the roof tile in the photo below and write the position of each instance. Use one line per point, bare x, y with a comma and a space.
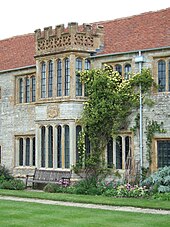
144, 31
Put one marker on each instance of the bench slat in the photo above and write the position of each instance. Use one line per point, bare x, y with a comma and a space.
48, 176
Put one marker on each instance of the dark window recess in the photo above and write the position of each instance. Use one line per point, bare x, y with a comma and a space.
163, 147
110, 153
162, 76
119, 152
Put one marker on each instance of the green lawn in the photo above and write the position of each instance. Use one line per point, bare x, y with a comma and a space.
144, 203
33, 214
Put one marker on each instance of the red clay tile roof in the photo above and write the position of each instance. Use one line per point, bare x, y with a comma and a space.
144, 31
17, 52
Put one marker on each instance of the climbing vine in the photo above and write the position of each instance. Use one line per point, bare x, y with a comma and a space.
111, 100
152, 127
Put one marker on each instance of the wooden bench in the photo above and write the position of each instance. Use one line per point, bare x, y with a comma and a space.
42, 176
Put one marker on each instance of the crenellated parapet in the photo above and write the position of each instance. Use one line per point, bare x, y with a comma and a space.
73, 38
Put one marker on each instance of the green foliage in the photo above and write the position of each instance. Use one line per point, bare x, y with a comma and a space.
7, 181
137, 124
152, 127
159, 181
111, 100
162, 196
5, 174
89, 186
53, 188
13, 184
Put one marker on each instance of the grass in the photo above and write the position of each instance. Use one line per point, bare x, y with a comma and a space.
32, 214
143, 203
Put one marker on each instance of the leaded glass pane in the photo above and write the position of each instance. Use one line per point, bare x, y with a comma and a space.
87, 67
59, 78
33, 89
50, 147
78, 82
27, 90
67, 77
127, 71
162, 76
21, 151
33, 151
43, 147
21, 91
59, 147
118, 68
119, 152
50, 79
27, 153
163, 153
43, 80
67, 147
110, 153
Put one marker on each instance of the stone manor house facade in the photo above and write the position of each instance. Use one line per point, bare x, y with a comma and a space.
41, 96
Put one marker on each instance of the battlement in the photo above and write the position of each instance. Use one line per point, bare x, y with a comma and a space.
74, 37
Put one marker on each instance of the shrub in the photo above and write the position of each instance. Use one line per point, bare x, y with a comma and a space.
13, 184
50, 188
159, 181
54, 188
162, 196
5, 173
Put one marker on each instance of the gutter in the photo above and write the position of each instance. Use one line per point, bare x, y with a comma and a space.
16, 69
129, 52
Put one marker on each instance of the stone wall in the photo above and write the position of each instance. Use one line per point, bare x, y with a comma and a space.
16, 119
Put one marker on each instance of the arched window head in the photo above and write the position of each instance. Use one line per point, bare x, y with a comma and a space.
127, 71
161, 76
